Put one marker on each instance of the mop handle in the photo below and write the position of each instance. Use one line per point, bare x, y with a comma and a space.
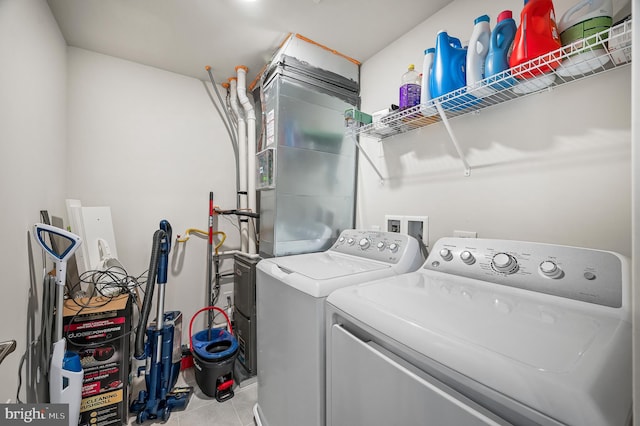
61, 274
210, 259
208, 308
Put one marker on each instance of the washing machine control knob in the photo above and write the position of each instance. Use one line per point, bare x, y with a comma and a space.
550, 269
350, 241
364, 243
393, 247
380, 246
505, 263
445, 253
341, 240
467, 257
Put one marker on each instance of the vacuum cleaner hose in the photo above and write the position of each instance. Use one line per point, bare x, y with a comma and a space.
148, 293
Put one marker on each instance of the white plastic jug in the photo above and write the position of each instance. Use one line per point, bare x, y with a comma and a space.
585, 19
426, 106
476, 55
581, 22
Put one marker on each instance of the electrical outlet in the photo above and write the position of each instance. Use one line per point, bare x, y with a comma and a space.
394, 224
465, 234
418, 227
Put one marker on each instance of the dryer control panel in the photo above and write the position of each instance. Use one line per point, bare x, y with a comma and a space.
588, 275
389, 247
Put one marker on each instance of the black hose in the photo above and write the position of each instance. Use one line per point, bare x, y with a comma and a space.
148, 293
239, 213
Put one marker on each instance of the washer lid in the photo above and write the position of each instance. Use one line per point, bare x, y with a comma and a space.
318, 274
328, 265
544, 351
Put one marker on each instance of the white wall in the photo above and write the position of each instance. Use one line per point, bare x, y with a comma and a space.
32, 148
552, 167
635, 125
149, 144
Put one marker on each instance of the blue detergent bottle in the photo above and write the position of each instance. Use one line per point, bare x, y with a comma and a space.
448, 72
500, 45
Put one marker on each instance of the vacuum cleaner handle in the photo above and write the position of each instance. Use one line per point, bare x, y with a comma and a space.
165, 248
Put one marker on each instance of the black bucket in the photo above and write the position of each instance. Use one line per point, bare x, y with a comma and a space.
214, 354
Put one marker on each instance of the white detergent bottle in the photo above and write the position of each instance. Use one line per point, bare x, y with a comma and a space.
426, 106
476, 55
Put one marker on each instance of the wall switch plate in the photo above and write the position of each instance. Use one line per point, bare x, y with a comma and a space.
465, 234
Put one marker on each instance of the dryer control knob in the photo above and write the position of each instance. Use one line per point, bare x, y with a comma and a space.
467, 257
364, 243
505, 263
350, 241
445, 253
380, 246
393, 247
550, 269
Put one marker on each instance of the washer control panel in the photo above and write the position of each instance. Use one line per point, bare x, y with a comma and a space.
588, 275
387, 247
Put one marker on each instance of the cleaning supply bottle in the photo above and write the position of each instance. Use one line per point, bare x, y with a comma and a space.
584, 19
448, 72
410, 88
537, 35
477, 51
582, 22
427, 64
500, 43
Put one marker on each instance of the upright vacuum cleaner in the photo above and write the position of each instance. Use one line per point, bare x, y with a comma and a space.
163, 348
65, 371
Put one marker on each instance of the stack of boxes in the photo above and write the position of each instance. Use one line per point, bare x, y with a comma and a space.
99, 330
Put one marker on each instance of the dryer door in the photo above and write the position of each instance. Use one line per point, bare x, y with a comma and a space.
370, 386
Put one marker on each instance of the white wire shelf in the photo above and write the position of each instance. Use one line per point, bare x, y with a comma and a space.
598, 53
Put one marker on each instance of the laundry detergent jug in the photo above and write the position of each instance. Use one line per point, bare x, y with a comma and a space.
476, 56
578, 27
537, 36
425, 94
448, 72
497, 61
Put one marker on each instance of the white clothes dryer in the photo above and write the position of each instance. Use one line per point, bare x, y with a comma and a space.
487, 332
291, 293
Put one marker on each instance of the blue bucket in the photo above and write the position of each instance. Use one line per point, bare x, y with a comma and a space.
214, 345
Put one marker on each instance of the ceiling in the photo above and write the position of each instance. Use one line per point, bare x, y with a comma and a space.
183, 36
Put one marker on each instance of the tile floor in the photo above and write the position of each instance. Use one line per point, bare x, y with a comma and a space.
204, 410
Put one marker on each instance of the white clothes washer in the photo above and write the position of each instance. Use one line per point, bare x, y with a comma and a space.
487, 332
291, 293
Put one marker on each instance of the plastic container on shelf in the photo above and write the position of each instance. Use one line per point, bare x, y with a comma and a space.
448, 72
476, 56
497, 61
536, 37
578, 27
426, 106
410, 88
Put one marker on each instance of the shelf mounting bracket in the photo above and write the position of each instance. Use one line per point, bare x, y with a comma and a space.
366, 156
445, 120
